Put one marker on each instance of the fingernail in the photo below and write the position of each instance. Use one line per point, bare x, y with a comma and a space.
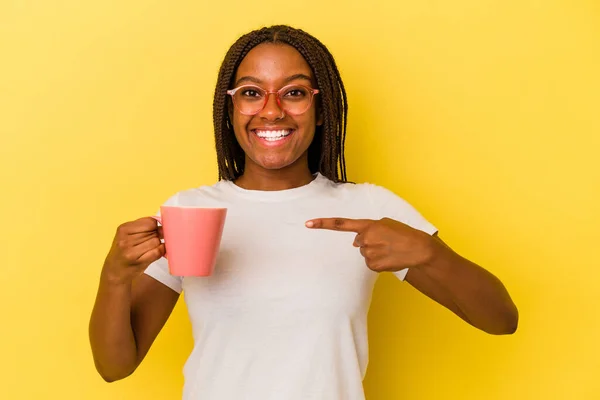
309, 224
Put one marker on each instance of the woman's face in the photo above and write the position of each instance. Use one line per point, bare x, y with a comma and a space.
271, 67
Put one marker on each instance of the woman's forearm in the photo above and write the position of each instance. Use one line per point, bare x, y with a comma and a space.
479, 294
111, 334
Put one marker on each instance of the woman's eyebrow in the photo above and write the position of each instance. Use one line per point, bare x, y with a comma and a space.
248, 79
286, 80
297, 76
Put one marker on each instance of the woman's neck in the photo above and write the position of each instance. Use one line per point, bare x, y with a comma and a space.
258, 178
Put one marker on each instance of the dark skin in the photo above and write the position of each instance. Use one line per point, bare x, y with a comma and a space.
460, 285
131, 307
272, 66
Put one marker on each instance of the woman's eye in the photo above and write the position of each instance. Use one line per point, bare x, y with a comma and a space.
295, 93
250, 93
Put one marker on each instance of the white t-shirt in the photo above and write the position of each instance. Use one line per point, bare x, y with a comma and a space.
285, 314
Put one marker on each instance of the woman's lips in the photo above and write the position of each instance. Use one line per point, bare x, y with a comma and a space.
272, 137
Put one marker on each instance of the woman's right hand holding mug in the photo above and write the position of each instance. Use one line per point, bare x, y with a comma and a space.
136, 245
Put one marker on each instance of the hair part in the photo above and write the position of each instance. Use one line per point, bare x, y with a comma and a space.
326, 152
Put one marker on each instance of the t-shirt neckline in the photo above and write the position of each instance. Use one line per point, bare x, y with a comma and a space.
277, 195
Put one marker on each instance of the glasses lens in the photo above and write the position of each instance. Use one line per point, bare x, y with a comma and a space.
295, 99
249, 99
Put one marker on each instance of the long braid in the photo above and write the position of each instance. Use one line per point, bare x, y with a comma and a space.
336, 88
342, 108
326, 153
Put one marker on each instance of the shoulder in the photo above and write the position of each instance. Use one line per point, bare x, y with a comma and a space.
377, 202
197, 196
385, 203
366, 192
342, 191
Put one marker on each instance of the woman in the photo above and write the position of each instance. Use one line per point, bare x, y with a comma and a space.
284, 315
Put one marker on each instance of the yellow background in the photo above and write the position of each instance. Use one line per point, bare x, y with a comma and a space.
483, 114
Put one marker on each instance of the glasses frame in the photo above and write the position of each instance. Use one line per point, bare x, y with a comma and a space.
267, 93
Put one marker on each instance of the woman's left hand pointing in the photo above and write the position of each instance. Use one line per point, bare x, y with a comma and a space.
386, 244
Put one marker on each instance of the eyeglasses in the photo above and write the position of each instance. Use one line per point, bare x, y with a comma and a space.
292, 99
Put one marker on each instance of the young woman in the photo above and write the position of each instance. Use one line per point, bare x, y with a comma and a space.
284, 315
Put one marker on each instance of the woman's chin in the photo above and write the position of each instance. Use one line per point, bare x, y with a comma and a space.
274, 166
274, 163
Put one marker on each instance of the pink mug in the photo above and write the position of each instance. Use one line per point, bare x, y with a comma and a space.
192, 238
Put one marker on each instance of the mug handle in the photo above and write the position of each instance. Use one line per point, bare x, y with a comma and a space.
159, 220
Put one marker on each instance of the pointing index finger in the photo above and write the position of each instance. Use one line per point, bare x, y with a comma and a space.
339, 224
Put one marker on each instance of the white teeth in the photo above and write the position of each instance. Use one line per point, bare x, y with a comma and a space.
273, 135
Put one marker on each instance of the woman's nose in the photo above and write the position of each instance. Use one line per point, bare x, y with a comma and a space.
272, 109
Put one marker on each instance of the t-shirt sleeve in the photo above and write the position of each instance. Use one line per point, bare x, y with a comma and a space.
159, 269
389, 205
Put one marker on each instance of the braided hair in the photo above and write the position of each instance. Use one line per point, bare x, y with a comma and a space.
326, 152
